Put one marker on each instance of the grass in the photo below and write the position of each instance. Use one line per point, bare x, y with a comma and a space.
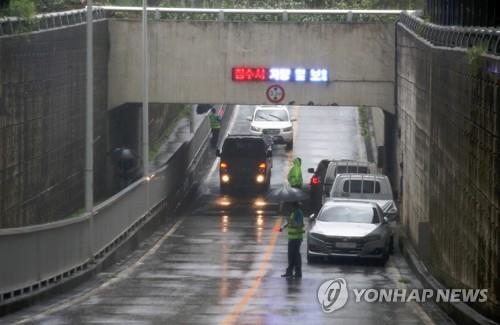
475, 57
363, 121
404, 280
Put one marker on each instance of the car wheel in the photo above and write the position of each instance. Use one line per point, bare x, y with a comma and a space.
289, 146
268, 183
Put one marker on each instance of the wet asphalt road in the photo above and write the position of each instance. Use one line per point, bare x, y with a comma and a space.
220, 263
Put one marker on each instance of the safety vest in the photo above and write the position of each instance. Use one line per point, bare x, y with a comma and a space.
295, 230
214, 121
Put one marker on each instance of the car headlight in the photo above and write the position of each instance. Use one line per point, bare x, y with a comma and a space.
288, 129
314, 236
256, 129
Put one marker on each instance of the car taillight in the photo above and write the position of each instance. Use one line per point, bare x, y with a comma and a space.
223, 165
315, 180
262, 166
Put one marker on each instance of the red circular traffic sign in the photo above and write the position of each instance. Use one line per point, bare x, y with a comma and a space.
275, 93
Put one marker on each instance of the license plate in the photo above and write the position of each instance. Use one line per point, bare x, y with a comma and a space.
271, 131
345, 245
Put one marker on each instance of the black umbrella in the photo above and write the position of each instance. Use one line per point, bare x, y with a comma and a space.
287, 193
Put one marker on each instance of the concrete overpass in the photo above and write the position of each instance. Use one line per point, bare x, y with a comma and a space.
359, 58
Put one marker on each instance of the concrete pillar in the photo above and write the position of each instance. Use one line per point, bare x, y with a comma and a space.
390, 134
192, 116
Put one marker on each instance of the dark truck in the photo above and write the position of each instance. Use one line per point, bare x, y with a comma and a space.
245, 163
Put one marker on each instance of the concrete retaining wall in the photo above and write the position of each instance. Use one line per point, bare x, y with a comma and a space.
448, 155
42, 110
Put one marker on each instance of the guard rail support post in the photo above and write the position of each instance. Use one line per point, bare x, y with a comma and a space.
221, 15
349, 17
285, 16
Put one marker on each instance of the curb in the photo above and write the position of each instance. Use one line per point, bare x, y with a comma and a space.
460, 312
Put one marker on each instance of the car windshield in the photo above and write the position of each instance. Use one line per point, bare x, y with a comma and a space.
271, 115
246, 148
353, 214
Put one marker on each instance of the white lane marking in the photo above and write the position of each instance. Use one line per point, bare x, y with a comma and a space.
119, 276
230, 127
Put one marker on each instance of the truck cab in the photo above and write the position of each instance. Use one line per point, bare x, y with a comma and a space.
245, 163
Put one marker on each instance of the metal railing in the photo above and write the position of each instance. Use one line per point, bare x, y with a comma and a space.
454, 36
38, 257
14, 25
285, 14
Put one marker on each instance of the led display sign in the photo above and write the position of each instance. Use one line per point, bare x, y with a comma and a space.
279, 74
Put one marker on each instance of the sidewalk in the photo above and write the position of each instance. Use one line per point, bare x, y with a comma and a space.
180, 134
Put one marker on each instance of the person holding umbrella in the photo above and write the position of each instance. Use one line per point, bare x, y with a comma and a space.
295, 174
295, 225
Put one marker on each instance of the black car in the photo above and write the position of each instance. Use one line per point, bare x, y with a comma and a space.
245, 163
316, 183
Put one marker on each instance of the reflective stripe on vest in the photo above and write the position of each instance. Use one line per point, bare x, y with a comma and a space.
294, 232
214, 121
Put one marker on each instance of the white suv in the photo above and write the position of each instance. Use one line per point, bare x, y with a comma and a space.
274, 122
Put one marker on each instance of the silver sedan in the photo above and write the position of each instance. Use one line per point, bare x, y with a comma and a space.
351, 229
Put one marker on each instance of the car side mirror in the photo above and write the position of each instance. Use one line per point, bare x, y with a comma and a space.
217, 152
293, 119
249, 118
310, 170
312, 217
269, 153
389, 217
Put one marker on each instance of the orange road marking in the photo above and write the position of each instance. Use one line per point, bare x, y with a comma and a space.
238, 309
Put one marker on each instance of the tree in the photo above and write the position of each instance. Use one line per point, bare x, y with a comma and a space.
22, 8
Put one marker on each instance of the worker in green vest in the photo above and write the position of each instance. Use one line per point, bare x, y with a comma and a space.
295, 174
215, 124
295, 225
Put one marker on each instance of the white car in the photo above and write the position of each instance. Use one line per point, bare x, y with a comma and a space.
274, 122
350, 229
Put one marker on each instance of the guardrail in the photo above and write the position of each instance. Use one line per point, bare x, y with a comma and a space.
454, 36
13, 25
38, 257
